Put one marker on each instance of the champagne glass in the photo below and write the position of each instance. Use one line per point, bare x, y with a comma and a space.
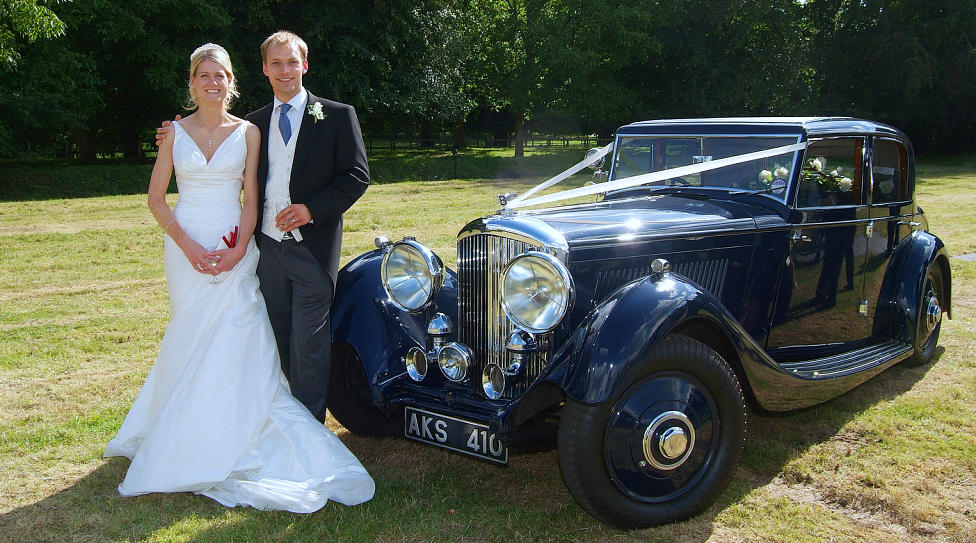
280, 206
214, 279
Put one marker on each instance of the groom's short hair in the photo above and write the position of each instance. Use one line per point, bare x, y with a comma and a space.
283, 37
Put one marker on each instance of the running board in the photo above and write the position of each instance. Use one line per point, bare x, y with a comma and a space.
850, 362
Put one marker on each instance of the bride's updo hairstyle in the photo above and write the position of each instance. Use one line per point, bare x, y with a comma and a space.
216, 53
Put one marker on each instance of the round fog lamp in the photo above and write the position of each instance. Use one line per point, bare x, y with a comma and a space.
416, 362
493, 381
412, 275
454, 360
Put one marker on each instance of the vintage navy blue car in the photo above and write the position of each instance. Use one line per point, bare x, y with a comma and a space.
719, 263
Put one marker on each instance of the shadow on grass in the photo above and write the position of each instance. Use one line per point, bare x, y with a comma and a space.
774, 439
428, 494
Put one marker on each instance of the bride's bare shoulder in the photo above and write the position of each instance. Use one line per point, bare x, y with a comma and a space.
252, 133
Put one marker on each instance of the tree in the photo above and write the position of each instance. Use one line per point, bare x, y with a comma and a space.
911, 64
132, 60
24, 21
597, 66
511, 69
401, 64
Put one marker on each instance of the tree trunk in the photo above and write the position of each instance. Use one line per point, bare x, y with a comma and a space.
83, 139
459, 137
519, 135
426, 139
131, 146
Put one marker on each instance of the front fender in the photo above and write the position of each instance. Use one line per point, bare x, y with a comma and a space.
609, 348
364, 317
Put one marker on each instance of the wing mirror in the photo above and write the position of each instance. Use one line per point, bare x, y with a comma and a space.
596, 165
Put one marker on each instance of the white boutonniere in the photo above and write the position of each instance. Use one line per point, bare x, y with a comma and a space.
315, 110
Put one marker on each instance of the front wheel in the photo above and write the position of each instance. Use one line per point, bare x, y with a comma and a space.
662, 449
349, 399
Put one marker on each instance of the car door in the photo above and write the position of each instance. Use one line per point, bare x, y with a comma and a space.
818, 308
891, 213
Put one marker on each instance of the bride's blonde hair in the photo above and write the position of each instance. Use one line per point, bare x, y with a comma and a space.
216, 53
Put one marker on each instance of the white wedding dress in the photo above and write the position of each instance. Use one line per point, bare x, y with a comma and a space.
215, 415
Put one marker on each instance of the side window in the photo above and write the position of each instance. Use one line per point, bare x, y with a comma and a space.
832, 172
889, 169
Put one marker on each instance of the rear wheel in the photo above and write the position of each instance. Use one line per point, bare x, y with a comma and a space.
929, 317
662, 449
349, 400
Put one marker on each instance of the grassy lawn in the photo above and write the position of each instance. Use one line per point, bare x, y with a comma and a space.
83, 306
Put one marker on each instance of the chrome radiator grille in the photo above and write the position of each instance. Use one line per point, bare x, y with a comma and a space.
483, 325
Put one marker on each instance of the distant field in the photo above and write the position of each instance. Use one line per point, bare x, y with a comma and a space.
41, 180
83, 306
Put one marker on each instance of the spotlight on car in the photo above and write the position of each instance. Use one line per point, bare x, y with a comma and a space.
416, 362
454, 360
493, 381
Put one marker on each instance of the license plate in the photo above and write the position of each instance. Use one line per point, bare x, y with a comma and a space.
452, 433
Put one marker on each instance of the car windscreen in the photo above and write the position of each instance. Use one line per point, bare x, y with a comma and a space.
636, 155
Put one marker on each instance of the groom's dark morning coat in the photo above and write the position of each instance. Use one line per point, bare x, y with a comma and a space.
329, 173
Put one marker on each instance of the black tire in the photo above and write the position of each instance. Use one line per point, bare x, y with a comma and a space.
928, 325
624, 488
349, 400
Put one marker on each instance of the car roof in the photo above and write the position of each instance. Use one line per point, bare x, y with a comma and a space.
811, 126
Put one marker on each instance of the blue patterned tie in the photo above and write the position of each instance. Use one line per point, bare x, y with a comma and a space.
283, 125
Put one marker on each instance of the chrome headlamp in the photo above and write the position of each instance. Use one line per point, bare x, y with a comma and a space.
412, 275
536, 291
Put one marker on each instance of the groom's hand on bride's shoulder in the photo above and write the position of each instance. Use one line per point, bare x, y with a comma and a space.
164, 129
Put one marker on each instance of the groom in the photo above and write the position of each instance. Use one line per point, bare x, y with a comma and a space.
312, 169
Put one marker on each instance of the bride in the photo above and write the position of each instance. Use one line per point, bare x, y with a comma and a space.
215, 415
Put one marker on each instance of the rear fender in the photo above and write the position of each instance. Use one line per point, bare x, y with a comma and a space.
903, 283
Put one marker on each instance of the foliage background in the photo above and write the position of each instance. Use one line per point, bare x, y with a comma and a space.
87, 79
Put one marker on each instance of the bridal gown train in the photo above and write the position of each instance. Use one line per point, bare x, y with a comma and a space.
215, 415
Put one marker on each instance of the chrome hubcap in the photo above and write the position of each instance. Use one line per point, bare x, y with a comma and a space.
673, 442
933, 311
668, 440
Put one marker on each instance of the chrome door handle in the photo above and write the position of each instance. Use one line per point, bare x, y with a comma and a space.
798, 237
